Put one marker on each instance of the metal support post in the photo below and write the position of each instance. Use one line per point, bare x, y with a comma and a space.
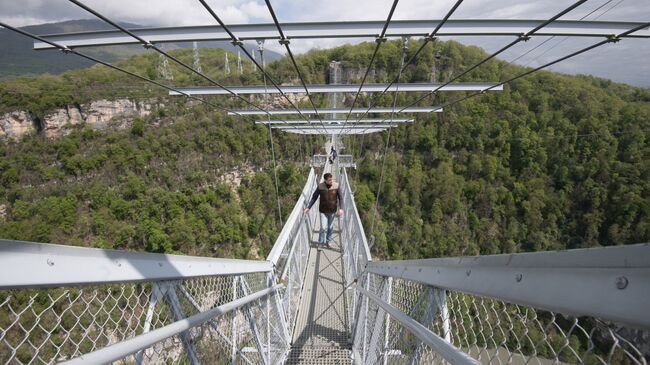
177, 312
433, 297
268, 321
212, 323
389, 293
253, 324
234, 323
380, 322
283, 322
441, 297
156, 294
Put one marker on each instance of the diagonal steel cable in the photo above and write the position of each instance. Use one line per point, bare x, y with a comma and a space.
285, 42
383, 160
379, 40
66, 49
552, 37
150, 45
237, 42
610, 39
522, 37
427, 39
565, 38
268, 118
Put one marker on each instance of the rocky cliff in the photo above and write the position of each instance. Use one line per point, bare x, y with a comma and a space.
97, 114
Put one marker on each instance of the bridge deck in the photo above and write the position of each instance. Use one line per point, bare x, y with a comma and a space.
321, 335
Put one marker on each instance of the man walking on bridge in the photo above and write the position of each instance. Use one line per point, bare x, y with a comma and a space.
329, 194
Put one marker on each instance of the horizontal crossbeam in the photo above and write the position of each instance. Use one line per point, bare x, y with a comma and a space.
340, 29
335, 122
347, 88
433, 109
335, 126
346, 130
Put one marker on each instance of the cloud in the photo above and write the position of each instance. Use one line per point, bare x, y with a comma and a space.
149, 13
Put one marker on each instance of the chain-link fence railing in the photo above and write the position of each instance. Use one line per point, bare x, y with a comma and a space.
291, 251
44, 325
488, 329
356, 253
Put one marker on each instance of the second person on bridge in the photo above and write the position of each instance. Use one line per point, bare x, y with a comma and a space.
330, 199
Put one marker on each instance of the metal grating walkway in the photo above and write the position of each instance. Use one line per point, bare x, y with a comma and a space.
321, 335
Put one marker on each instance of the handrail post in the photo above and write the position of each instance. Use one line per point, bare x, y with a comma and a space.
177, 312
234, 323
252, 323
156, 294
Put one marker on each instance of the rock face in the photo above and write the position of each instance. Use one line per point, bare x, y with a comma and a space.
100, 112
13, 125
97, 114
277, 101
54, 124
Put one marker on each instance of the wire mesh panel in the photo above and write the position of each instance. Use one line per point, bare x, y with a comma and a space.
55, 324
49, 325
355, 248
291, 250
490, 330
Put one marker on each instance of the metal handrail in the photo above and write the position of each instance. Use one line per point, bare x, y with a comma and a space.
448, 351
349, 198
125, 348
607, 282
294, 218
48, 265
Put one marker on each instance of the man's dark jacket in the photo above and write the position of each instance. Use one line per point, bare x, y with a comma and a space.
328, 198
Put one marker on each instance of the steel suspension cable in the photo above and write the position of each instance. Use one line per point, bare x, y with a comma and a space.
66, 49
379, 40
275, 170
237, 42
610, 39
427, 39
522, 37
552, 37
565, 38
285, 42
383, 163
150, 45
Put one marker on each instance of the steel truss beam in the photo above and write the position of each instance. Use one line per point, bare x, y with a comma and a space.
433, 109
359, 29
336, 126
347, 88
335, 122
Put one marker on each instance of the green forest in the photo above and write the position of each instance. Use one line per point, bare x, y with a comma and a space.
551, 162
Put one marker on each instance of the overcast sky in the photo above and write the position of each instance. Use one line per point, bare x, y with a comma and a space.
627, 61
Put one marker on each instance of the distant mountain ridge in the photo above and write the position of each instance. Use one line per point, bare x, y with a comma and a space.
19, 59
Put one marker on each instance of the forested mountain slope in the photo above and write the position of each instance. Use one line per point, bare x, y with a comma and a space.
552, 162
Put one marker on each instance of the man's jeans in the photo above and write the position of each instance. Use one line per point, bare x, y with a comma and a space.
326, 223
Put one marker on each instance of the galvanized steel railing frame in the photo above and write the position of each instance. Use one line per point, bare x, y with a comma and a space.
86, 285
587, 294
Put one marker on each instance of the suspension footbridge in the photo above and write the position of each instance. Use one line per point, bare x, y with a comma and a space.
306, 304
